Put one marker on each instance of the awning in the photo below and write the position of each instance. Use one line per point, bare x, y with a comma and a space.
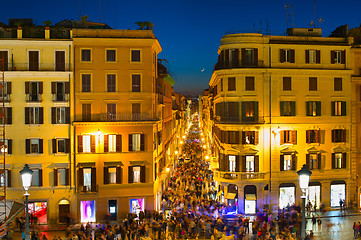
251, 197
230, 195
219, 193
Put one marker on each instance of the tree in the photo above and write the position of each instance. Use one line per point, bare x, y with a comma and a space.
84, 18
149, 25
141, 25
47, 23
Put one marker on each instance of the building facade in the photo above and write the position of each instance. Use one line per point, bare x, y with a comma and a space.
276, 103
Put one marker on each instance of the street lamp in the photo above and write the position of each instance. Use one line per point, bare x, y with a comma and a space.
304, 177
26, 175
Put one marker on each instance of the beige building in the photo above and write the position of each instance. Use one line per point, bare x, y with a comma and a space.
276, 103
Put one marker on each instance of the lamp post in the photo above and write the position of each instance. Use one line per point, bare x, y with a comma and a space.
304, 178
26, 175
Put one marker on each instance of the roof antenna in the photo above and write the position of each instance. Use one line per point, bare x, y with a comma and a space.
314, 14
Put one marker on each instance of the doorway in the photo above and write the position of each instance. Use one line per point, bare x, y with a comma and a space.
64, 210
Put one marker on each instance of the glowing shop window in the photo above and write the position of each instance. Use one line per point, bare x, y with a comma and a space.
87, 211
287, 197
338, 192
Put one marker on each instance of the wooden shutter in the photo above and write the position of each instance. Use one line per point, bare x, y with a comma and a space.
8, 87
67, 87
282, 55
343, 163
237, 138
119, 175
54, 145
226, 60
237, 164
60, 60
292, 55
282, 137
244, 168
67, 177
9, 115
41, 115
293, 108
318, 56
40, 87
67, 145
27, 121
333, 55
130, 174
343, 57
118, 146
333, 108
221, 59
142, 142
80, 177
41, 145
294, 137
93, 178
343, 108
319, 160
40, 177
256, 138
4, 55
142, 174
80, 143
318, 136
92, 143
333, 135
53, 115
10, 146
282, 112
53, 87
27, 87
333, 163
130, 141
27, 146
256, 163
318, 108
236, 58
307, 56
294, 162
9, 177
106, 143
55, 177
221, 162
67, 115
33, 60
343, 135
255, 57
106, 175
226, 136
308, 132
226, 163
308, 160
282, 162
243, 53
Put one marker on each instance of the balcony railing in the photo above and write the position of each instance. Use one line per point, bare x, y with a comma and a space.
61, 67
118, 117
241, 175
87, 189
33, 98
243, 120
60, 97
6, 98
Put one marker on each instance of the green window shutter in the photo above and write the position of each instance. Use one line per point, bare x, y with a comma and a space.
333, 108
282, 104
318, 108
293, 108
343, 108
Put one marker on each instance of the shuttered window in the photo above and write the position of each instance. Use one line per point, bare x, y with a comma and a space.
135, 55
288, 136
136, 142
250, 137
313, 161
288, 162
338, 57
7, 146
338, 135
86, 112
33, 60
86, 82
337, 84
312, 85
34, 146
313, 108
231, 84
34, 115
111, 82
250, 84
136, 83
7, 116
4, 55
338, 160
313, 136
60, 115
112, 143
287, 55
338, 108
288, 108
59, 60
287, 84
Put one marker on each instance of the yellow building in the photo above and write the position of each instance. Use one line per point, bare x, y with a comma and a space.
278, 102
38, 83
122, 123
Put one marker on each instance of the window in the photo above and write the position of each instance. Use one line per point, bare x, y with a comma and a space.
61, 177
136, 174
5, 179
288, 108
86, 83
313, 108
87, 179
228, 58
337, 84
249, 56
60, 91
59, 60
136, 142
287, 55
85, 143
61, 145
250, 137
111, 83
112, 171
313, 56
86, 111
112, 143
85, 55
111, 55
33, 115
37, 178
60, 115
313, 161
287, 84
338, 57
4, 55
249, 111
33, 60
7, 147
250, 164
288, 162
7, 90
338, 135
7, 117
135, 56
231, 137
34, 146
111, 112
312, 84
249, 83
313, 136
136, 83
338, 108
231, 84
288, 136
112, 175
232, 163
338, 160
33, 91
136, 111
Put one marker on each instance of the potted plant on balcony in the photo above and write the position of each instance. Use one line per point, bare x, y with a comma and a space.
47, 24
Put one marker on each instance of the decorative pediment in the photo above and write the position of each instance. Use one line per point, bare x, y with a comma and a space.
339, 149
315, 150
231, 149
250, 151
288, 150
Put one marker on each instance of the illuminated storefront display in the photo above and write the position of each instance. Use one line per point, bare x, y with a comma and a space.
338, 192
314, 195
287, 197
39, 211
87, 211
136, 205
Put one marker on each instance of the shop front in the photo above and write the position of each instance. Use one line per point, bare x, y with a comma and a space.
64, 210
314, 194
286, 195
112, 210
39, 212
232, 199
338, 193
136, 205
250, 199
87, 211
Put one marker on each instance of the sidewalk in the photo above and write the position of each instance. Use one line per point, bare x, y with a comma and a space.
333, 213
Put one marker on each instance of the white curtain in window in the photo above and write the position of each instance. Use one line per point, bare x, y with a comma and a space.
86, 143
136, 174
136, 142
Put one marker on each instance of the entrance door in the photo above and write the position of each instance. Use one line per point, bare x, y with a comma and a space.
286, 197
112, 209
338, 192
64, 211
250, 206
314, 193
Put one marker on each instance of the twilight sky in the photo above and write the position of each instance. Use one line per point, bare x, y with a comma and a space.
190, 31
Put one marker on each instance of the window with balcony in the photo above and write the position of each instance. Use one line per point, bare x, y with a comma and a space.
313, 108
136, 142
59, 60
61, 177
287, 55
86, 82
6, 147
250, 137
86, 55
338, 135
338, 108
61, 145
34, 115
250, 57
136, 111
60, 115
135, 56
250, 164
111, 112
5, 90
136, 83
288, 108
111, 55
288, 162
60, 91
6, 117
87, 179
313, 136
249, 111
33, 91
34, 146
337, 84
112, 143
288, 137
136, 174
230, 137
86, 143
86, 112
313, 161
33, 60
111, 82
